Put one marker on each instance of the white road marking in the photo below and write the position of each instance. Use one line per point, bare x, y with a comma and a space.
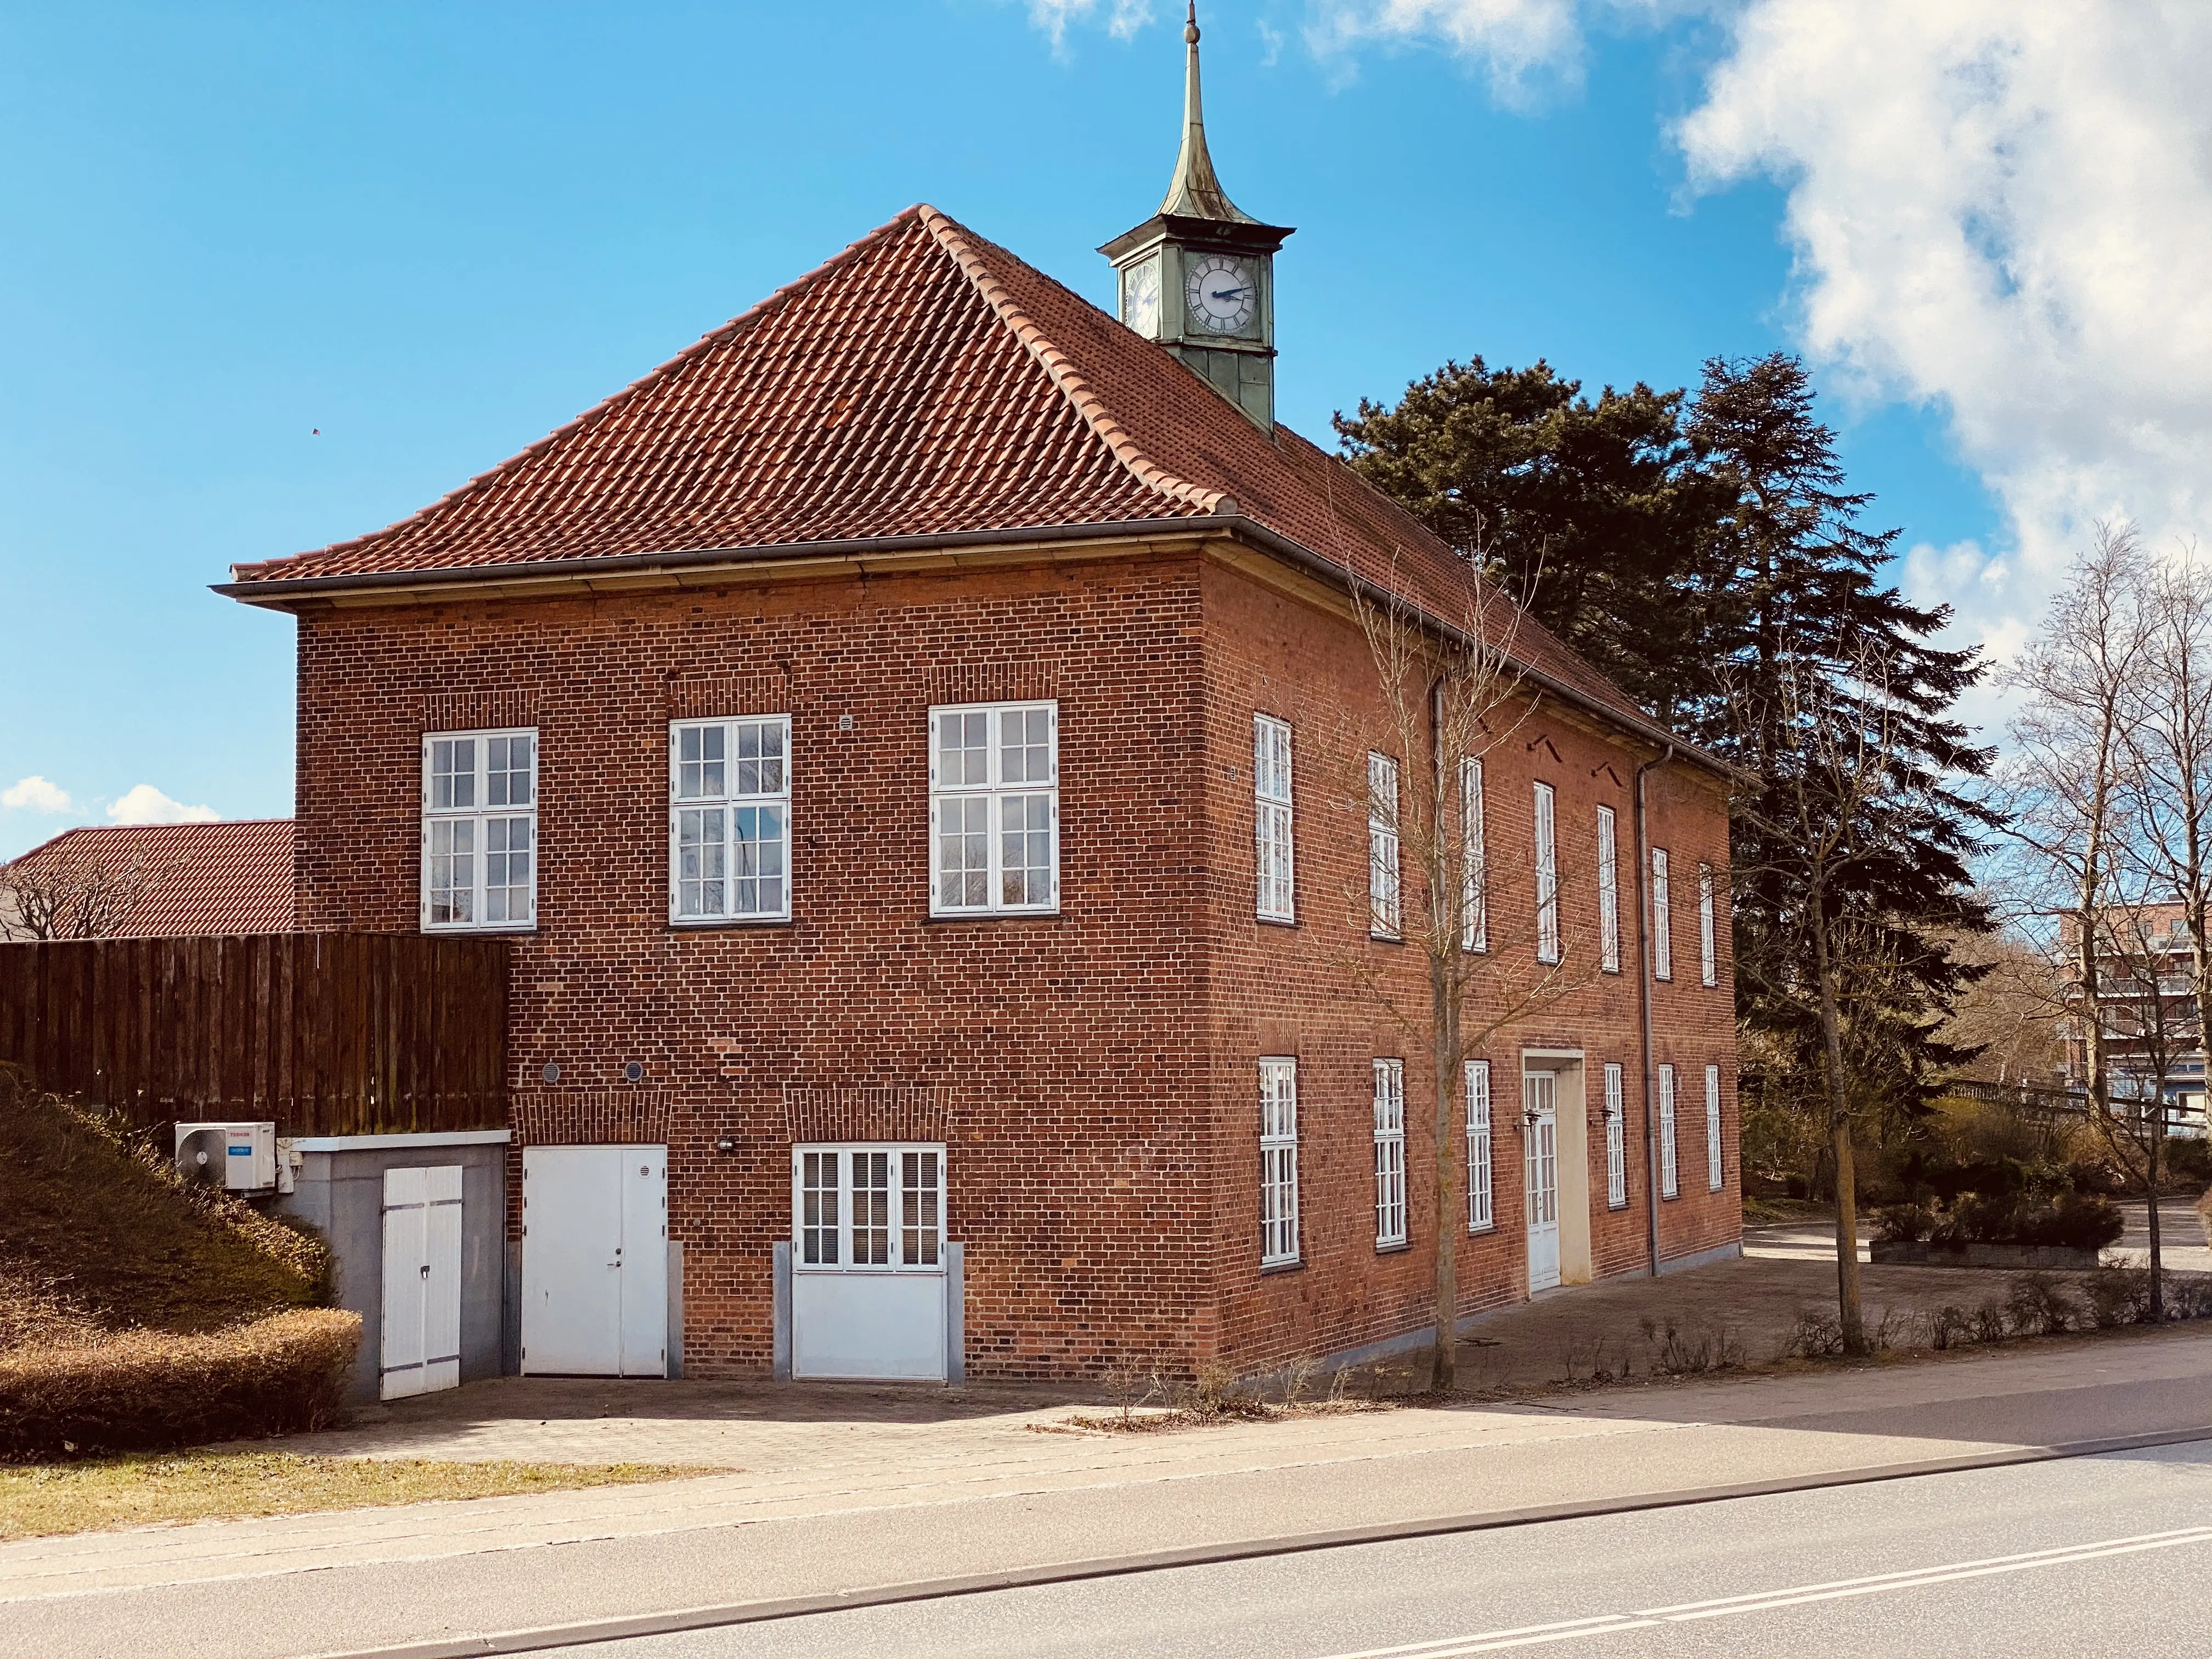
1568, 1630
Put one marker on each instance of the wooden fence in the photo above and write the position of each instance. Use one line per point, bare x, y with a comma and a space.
325, 1033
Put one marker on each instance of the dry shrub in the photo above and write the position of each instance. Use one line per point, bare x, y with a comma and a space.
2039, 1307
2118, 1296
150, 1391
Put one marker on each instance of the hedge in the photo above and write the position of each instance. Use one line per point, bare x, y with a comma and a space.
150, 1391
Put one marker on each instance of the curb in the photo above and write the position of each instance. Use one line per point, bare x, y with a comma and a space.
931, 1589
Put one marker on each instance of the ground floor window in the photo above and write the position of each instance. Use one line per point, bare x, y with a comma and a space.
1713, 1127
872, 1206
1616, 1142
1670, 1183
1389, 1151
1279, 1162
1478, 1146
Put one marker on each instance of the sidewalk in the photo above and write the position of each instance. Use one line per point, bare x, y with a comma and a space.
890, 1486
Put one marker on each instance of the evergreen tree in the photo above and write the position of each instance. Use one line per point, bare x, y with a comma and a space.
1588, 511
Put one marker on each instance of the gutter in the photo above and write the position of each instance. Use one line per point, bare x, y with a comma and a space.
1643, 997
276, 592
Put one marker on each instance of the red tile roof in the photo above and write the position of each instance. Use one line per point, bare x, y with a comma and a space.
230, 877
923, 382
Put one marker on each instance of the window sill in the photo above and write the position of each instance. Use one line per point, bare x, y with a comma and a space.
1386, 938
1612, 1207
1397, 1248
1276, 922
507, 929
1670, 1198
727, 924
1267, 1268
1483, 1232
992, 915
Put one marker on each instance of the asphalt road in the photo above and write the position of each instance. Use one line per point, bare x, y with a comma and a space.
2089, 1556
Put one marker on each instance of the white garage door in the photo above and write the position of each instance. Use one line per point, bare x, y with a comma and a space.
595, 1261
867, 1259
421, 1322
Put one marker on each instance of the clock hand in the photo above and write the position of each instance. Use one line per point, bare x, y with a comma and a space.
1228, 293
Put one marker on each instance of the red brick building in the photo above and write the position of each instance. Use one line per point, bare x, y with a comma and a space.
856, 720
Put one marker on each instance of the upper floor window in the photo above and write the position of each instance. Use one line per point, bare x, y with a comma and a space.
1475, 921
479, 830
994, 809
1385, 918
729, 820
1271, 792
1609, 893
1548, 877
1708, 946
1663, 919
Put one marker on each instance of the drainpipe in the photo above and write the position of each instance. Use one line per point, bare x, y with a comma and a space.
1643, 998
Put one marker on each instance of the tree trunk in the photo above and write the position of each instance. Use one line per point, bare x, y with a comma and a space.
1444, 1009
1848, 1312
2157, 1129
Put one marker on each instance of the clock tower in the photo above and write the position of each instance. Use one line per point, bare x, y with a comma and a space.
1199, 276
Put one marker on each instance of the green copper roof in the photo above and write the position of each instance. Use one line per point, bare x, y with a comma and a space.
1195, 192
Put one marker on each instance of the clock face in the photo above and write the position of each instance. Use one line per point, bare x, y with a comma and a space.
1140, 298
1223, 294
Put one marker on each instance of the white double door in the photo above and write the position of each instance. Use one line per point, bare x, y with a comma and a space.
1540, 1116
595, 1261
868, 1287
421, 1339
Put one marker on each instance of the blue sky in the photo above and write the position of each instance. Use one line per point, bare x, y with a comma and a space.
277, 276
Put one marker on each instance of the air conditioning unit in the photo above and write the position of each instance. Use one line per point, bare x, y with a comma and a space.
238, 1158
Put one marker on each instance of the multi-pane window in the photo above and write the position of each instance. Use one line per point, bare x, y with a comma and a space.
1713, 1127
1389, 1151
1707, 946
1670, 1183
1548, 877
1616, 1141
1385, 918
1608, 892
1475, 918
1478, 1146
994, 809
875, 1206
479, 830
1663, 919
1271, 793
1279, 1162
729, 820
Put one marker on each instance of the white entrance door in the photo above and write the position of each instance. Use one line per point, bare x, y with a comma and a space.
1541, 1117
867, 1259
595, 1261
422, 1325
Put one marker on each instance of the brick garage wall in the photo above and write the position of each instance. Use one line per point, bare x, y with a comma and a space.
1062, 1060
1296, 654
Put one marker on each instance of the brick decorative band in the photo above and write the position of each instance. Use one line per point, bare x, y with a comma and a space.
709, 696
991, 682
478, 711
591, 1117
886, 1114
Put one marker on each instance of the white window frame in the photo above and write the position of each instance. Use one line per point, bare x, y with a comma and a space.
1616, 1139
1663, 917
1714, 1173
1670, 1179
1385, 884
1547, 873
1390, 1154
1475, 921
1608, 892
996, 796
1481, 1214
1708, 946
922, 1241
474, 820
731, 802
1274, 840
1279, 1160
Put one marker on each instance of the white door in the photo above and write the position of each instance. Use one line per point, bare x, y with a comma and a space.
595, 1261
422, 1324
1540, 1118
867, 1282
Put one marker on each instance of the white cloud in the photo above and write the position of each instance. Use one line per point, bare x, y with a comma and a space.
1514, 40
1123, 17
35, 794
144, 804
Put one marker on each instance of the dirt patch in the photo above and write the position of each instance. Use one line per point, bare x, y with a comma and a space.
133, 1492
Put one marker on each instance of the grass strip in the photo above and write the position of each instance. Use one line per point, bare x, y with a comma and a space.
98, 1494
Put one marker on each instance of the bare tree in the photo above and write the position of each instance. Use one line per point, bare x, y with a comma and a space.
64, 891
1452, 695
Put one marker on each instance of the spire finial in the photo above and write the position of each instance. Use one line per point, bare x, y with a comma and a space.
1195, 192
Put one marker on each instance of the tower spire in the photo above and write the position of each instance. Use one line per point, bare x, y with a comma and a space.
1195, 192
